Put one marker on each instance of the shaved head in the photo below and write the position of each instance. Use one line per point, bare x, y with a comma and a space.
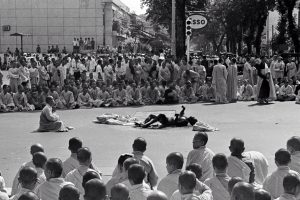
242, 191
157, 195
236, 146
36, 148
119, 192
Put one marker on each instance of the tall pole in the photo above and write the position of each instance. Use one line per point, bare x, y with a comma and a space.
173, 41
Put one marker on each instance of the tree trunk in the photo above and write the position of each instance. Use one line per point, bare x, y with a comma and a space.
260, 29
180, 28
293, 32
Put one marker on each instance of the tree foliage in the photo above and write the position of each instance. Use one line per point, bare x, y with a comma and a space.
287, 23
160, 12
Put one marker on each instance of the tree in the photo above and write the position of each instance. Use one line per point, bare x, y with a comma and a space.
160, 12
286, 8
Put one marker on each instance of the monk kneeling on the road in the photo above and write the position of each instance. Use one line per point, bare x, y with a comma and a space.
49, 120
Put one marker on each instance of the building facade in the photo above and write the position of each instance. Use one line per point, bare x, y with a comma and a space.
56, 22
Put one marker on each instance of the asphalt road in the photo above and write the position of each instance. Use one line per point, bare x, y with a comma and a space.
263, 128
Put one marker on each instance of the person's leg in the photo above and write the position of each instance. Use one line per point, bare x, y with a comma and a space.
181, 114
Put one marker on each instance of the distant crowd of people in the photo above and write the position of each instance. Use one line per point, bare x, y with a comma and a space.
243, 175
86, 81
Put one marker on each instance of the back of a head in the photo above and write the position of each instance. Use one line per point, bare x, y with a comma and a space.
123, 157
187, 180
175, 159
219, 162
294, 143
261, 194
119, 192
290, 183
69, 192
242, 191
139, 144
27, 175
201, 136
36, 148
232, 182
39, 159
128, 162
94, 190
84, 155
157, 195
196, 168
136, 174
237, 146
89, 175
29, 196
75, 144
54, 165
282, 157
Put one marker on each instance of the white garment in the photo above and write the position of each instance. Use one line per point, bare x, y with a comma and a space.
274, 182
202, 156
219, 192
69, 165
260, 165
75, 176
237, 167
16, 185
169, 184
207, 195
139, 192
295, 161
50, 189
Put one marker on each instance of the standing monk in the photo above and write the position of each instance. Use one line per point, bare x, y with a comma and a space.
219, 81
232, 81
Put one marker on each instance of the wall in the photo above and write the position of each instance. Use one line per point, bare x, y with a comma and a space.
51, 22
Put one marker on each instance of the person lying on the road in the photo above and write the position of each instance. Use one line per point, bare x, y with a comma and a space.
179, 121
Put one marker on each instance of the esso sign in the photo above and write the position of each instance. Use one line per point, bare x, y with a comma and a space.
198, 21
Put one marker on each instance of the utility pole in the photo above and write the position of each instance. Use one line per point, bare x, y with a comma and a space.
173, 41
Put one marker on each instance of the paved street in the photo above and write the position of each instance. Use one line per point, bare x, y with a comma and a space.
264, 128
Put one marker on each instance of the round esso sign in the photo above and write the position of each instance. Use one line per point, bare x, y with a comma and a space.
198, 21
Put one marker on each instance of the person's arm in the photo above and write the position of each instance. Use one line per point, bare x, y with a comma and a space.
49, 115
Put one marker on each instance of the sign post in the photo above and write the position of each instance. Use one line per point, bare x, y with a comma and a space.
194, 21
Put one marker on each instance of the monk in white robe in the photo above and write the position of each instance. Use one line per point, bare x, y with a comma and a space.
50, 189
237, 166
261, 165
75, 176
33, 149
169, 184
291, 184
219, 75
219, 183
274, 182
72, 163
49, 120
293, 146
232, 81
201, 155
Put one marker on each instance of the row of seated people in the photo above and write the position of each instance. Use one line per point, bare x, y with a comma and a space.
207, 176
98, 94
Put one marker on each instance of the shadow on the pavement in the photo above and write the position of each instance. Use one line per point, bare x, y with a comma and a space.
260, 104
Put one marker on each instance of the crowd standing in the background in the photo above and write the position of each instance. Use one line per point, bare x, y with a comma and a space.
110, 80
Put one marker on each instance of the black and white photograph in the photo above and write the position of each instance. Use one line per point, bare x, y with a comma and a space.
149, 99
